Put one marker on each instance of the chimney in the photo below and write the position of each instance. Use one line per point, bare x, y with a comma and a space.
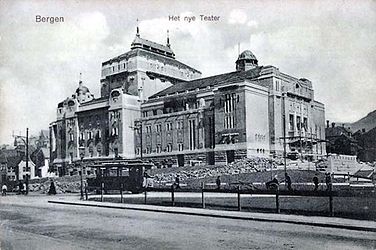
343, 125
327, 123
333, 124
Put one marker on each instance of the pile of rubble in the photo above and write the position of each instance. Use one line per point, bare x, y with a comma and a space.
247, 165
71, 184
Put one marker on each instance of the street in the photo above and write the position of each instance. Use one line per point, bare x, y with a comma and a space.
29, 222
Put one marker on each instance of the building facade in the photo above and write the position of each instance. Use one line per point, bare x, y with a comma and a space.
104, 127
156, 108
253, 111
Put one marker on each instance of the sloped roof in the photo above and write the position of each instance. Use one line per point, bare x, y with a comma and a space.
141, 41
364, 173
201, 83
337, 131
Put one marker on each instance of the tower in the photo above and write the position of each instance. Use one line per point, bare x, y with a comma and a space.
246, 61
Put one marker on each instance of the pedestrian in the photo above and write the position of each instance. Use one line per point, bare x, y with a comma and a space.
147, 182
4, 190
177, 181
24, 188
328, 181
20, 187
52, 190
273, 183
218, 182
288, 181
316, 182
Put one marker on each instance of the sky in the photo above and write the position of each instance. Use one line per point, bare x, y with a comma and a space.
331, 43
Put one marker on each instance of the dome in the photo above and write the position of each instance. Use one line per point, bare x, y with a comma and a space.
247, 55
246, 61
83, 89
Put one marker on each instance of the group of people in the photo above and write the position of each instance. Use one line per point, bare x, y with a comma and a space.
274, 183
21, 189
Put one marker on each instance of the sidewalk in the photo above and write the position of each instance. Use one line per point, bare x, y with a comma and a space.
331, 222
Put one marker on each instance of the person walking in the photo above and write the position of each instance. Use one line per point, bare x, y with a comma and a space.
328, 181
52, 190
316, 182
4, 190
218, 182
177, 181
288, 181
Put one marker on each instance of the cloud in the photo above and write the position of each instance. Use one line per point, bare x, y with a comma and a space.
237, 17
43, 63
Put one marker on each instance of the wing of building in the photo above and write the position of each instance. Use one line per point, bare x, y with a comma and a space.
154, 107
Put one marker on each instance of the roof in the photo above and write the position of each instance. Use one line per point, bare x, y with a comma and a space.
247, 55
337, 131
231, 77
364, 173
45, 133
139, 42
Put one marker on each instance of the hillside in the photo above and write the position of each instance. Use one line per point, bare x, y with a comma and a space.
368, 122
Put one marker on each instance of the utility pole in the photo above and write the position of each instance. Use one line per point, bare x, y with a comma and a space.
284, 131
27, 160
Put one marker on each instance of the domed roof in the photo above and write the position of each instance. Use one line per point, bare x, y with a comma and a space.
82, 89
247, 54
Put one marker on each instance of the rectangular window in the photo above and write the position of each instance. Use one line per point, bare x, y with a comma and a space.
82, 136
305, 123
291, 122
192, 134
298, 122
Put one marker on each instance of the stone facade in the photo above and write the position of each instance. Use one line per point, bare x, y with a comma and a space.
219, 119
157, 108
104, 127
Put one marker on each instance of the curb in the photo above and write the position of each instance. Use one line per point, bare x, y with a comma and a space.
213, 215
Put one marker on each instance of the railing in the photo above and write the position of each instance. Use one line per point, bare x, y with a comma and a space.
241, 189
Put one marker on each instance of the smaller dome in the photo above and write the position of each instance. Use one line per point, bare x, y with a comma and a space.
247, 55
82, 89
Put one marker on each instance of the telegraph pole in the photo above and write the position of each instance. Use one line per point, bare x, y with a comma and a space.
284, 131
27, 161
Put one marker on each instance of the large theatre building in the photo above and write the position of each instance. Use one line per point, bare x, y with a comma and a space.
156, 108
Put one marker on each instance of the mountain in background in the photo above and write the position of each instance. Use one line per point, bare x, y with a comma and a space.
367, 123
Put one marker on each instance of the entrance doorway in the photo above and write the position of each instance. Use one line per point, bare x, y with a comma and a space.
230, 155
181, 160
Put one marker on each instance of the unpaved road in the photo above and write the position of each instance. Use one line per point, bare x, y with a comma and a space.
32, 223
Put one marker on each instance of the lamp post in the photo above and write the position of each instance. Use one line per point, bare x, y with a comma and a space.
82, 154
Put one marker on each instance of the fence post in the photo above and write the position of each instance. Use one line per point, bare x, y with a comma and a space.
239, 204
146, 195
102, 188
86, 194
121, 192
331, 210
277, 200
172, 195
202, 194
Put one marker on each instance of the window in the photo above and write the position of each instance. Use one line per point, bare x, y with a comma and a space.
229, 109
138, 151
159, 148
180, 146
305, 123
169, 147
192, 134
82, 136
89, 135
168, 126
298, 122
148, 129
71, 137
158, 128
291, 122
